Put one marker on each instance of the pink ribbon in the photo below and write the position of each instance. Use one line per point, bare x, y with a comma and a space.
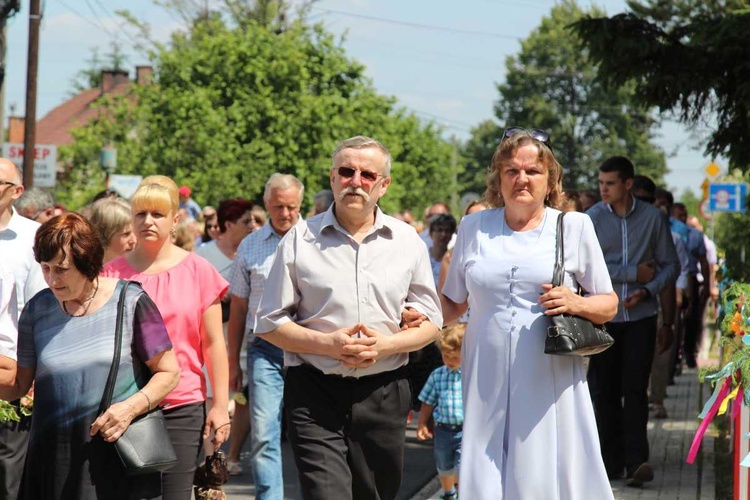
707, 421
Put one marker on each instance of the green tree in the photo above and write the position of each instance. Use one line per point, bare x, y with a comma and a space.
91, 76
231, 106
692, 203
732, 234
690, 58
551, 84
477, 155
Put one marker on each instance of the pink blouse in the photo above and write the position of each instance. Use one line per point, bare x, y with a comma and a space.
182, 294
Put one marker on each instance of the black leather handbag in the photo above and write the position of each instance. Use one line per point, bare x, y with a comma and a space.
145, 446
570, 335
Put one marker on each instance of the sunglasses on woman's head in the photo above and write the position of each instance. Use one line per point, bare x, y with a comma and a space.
534, 133
348, 173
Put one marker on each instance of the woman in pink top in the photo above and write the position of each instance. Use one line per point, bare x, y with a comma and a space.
187, 290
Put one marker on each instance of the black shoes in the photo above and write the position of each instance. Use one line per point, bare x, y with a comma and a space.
639, 475
614, 474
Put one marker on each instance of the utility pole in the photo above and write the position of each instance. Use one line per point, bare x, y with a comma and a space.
32, 65
455, 205
7, 9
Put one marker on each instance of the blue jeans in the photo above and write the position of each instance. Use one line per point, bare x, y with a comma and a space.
265, 363
448, 449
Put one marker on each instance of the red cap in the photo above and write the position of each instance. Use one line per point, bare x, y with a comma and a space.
184, 191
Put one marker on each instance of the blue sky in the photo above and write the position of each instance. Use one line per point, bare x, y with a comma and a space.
441, 59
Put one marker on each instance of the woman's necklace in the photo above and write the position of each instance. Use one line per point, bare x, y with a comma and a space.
86, 303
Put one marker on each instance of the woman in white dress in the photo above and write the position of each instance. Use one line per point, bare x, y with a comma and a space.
529, 427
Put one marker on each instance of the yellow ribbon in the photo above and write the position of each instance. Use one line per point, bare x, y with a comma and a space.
725, 403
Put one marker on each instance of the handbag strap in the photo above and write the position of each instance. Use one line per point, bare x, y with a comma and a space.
559, 271
109, 389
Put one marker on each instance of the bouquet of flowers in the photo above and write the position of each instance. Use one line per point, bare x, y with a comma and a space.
732, 382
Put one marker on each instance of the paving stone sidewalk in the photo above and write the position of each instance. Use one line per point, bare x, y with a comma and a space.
670, 440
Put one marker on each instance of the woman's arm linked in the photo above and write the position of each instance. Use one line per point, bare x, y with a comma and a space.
452, 310
19, 385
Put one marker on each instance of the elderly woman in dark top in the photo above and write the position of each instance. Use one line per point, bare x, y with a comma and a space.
66, 346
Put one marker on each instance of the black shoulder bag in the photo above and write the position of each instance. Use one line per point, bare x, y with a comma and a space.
145, 446
570, 335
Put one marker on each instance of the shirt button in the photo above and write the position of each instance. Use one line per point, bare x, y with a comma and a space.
363, 301
515, 312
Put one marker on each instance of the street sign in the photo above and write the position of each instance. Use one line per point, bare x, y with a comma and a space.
704, 188
108, 159
727, 197
125, 185
712, 170
45, 160
704, 210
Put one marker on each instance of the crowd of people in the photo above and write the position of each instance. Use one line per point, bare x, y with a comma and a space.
332, 329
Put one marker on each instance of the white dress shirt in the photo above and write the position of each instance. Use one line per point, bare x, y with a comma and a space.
324, 280
17, 253
8, 313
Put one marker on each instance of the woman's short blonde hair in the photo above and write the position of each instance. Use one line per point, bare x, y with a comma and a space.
183, 235
109, 216
505, 152
452, 337
157, 192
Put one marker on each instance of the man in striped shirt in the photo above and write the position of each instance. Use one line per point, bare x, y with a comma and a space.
265, 362
642, 260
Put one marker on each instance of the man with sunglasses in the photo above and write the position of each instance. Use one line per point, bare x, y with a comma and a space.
642, 261
333, 302
16, 248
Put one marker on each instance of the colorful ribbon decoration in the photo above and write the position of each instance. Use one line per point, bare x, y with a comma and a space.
707, 420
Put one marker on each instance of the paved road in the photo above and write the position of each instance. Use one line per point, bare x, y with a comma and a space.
419, 469
670, 440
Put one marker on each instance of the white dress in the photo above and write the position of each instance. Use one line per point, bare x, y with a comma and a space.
529, 429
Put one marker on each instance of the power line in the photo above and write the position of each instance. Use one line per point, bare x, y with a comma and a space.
482, 63
442, 120
74, 11
107, 12
96, 17
433, 27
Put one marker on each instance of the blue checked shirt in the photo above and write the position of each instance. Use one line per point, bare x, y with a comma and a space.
250, 270
443, 391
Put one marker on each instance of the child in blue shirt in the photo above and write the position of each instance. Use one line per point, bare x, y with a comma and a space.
442, 399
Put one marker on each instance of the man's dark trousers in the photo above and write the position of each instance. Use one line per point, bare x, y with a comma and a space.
347, 434
618, 381
14, 438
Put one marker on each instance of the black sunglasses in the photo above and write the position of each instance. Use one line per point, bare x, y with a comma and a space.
534, 133
348, 173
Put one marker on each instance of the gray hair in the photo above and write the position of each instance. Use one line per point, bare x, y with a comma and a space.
323, 199
34, 200
283, 181
362, 142
109, 216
